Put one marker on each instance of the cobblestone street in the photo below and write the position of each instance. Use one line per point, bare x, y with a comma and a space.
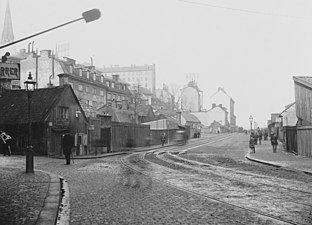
105, 191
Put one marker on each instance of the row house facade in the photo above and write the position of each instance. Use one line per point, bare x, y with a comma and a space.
144, 76
91, 86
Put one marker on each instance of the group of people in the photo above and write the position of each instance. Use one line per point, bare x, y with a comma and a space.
257, 136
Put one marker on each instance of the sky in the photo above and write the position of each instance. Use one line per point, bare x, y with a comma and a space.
251, 48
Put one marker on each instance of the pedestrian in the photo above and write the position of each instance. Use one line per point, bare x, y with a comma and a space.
67, 143
163, 139
6, 143
260, 136
252, 143
274, 142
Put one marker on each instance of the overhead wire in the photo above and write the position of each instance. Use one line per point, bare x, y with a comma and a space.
240, 10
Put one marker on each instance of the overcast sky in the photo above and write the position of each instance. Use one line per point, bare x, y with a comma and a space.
252, 48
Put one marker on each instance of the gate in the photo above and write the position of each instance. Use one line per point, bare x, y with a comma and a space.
106, 138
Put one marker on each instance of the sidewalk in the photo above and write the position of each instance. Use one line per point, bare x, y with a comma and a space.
264, 154
29, 198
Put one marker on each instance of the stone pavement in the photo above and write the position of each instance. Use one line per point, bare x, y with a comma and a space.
28, 198
40, 197
264, 154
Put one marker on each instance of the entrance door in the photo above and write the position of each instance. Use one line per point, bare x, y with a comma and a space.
106, 138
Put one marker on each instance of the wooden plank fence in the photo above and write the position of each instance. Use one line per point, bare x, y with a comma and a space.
304, 139
127, 135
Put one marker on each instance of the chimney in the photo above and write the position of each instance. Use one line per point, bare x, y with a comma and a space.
214, 105
220, 105
63, 79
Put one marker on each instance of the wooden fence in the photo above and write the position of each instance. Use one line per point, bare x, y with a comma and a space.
127, 135
304, 139
155, 136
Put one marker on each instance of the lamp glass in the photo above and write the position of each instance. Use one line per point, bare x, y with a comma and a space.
30, 83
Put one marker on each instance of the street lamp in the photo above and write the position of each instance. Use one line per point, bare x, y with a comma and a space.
250, 120
88, 16
29, 87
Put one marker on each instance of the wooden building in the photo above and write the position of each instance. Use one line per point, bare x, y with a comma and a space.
303, 97
53, 112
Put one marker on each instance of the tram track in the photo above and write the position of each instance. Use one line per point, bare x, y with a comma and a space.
205, 196
159, 154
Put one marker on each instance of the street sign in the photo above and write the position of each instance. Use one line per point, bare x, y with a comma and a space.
10, 71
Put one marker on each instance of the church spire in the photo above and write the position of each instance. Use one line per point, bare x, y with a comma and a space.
7, 33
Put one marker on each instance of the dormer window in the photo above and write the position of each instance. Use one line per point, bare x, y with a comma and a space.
71, 68
113, 85
94, 76
102, 79
80, 72
88, 75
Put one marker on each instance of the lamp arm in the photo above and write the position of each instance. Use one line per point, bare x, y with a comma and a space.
23, 39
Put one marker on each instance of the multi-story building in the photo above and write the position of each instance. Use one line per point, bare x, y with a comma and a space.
191, 98
144, 76
221, 97
91, 86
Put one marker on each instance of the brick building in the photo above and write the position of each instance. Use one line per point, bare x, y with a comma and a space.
93, 88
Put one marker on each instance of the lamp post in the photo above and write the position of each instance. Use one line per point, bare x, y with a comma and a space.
29, 87
250, 120
88, 16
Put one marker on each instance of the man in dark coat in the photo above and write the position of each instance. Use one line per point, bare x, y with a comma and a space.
67, 145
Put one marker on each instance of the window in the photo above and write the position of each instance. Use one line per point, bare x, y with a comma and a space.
80, 72
94, 76
87, 89
63, 112
102, 93
113, 85
102, 79
109, 96
80, 87
94, 91
88, 74
107, 84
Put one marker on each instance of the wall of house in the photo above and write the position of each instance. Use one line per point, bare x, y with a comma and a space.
75, 123
190, 99
215, 114
303, 97
221, 98
289, 116
44, 69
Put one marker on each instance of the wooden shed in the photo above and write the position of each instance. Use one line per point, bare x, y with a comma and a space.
303, 97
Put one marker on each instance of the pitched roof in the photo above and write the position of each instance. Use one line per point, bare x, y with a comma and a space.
304, 80
14, 104
189, 117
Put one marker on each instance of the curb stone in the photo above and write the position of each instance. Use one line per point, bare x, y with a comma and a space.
278, 166
55, 208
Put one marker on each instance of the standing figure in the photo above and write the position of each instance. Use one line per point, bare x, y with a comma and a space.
67, 145
6, 140
274, 142
252, 143
163, 139
260, 136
